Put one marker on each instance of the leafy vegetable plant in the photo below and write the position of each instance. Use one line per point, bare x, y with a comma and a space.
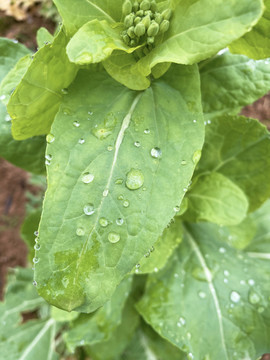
153, 237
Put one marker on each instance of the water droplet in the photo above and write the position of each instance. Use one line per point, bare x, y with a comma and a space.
37, 247
119, 221
253, 297
135, 179
104, 130
202, 294
196, 156
120, 197
190, 356
50, 138
36, 240
2, 97
48, 157
36, 233
181, 322
226, 273
137, 144
147, 131
126, 203
105, 192
119, 181
194, 121
80, 231
64, 91
235, 296
81, 141
251, 282
113, 237
87, 178
199, 274
34, 283
177, 208
147, 254
185, 189
110, 148
183, 162
76, 123
89, 209
90, 113
35, 260
103, 222
8, 118
156, 153
222, 250
155, 269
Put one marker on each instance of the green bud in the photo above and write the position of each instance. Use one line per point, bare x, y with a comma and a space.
129, 20
150, 40
127, 7
148, 12
164, 26
146, 21
140, 13
145, 5
167, 14
154, 6
158, 18
136, 6
133, 43
131, 32
137, 20
126, 39
153, 29
140, 29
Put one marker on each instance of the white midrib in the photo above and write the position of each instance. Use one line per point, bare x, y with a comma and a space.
101, 10
149, 353
257, 255
208, 276
36, 340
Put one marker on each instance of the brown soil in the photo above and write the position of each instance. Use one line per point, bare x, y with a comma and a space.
259, 110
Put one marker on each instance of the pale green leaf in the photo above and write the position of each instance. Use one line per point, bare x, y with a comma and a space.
215, 198
239, 148
229, 82
95, 41
256, 43
43, 37
76, 14
210, 301
196, 34
63, 316
36, 100
120, 65
115, 161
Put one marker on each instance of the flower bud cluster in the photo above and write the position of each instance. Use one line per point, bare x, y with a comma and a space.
143, 22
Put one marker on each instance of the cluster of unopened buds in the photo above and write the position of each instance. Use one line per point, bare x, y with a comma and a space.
143, 22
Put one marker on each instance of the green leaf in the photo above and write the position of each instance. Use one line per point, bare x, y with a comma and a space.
29, 226
41, 88
112, 162
229, 82
146, 344
75, 14
256, 43
210, 301
196, 34
120, 65
158, 255
90, 329
239, 148
43, 37
27, 154
10, 52
95, 41
215, 198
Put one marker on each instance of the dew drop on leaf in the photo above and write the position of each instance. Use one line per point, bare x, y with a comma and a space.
103, 222
105, 192
50, 138
119, 181
119, 221
235, 296
87, 178
251, 282
48, 157
37, 247
76, 124
147, 131
36, 233
64, 91
196, 156
156, 153
199, 274
120, 197
80, 231
202, 294
113, 237
222, 250
135, 179
81, 141
35, 260
253, 297
110, 148
34, 283
183, 162
7, 118
89, 209
177, 208
137, 144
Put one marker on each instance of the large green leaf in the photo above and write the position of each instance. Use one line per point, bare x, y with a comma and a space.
76, 14
215, 198
196, 34
229, 82
210, 301
90, 329
115, 175
239, 148
256, 43
94, 42
36, 100
29, 227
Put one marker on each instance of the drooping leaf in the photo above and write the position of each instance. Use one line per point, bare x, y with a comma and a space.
196, 34
210, 301
36, 100
215, 198
95, 41
256, 43
113, 181
158, 255
90, 329
43, 37
238, 148
76, 14
229, 82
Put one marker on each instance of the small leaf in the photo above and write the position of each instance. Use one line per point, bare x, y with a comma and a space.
216, 199
43, 37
